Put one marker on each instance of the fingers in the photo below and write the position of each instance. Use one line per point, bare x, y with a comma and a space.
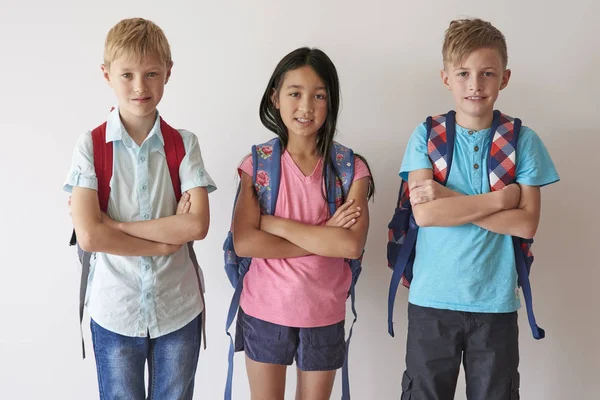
344, 207
184, 204
419, 183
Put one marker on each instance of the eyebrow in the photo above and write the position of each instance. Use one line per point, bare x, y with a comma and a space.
490, 67
302, 87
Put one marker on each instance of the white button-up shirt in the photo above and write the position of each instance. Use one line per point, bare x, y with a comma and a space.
137, 296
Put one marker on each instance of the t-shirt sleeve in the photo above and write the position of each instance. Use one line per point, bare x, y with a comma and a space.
415, 156
246, 166
191, 170
534, 164
82, 172
360, 169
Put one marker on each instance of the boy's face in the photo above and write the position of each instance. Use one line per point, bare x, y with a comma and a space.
476, 82
139, 85
302, 101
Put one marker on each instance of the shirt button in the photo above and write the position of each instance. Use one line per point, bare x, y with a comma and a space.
147, 295
142, 158
476, 166
146, 216
146, 267
144, 187
471, 132
476, 148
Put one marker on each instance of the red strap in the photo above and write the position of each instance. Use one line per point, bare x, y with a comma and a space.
175, 152
103, 163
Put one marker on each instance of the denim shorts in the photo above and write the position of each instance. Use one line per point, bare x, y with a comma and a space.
314, 349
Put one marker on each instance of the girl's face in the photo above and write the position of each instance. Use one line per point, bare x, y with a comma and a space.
302, 102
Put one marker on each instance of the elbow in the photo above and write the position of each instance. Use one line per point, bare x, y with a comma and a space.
240, 244
422, 218
353, 250
200, 231
528, 232
88, 240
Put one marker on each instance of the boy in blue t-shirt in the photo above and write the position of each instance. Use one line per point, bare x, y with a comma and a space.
463, 297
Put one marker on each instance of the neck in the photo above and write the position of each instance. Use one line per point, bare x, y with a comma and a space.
476, 123
138, 127
302, 146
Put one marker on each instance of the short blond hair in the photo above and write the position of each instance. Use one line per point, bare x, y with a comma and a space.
464, 36
137, 38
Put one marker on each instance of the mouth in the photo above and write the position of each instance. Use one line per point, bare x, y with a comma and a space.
303, 121
141, 100
475, 98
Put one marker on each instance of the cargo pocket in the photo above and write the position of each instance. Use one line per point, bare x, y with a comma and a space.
407, 383
514, 387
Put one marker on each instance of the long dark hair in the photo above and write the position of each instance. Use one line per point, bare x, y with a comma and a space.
271, 119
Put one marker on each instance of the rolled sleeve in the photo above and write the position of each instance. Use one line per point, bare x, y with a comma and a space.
191, 171
82, 172
416, 155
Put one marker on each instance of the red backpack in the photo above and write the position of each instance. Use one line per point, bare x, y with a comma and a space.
103, 164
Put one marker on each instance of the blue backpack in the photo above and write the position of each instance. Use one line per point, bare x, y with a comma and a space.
266, 158
403, 228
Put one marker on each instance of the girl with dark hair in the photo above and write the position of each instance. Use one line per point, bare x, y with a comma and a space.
294, 295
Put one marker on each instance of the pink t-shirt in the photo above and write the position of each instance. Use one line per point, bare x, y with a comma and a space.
302, 292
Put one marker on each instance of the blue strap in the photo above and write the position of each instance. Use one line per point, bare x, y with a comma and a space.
345, 375
401, 262
538, 333
233, 308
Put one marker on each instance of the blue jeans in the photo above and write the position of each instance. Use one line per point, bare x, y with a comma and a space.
172, 361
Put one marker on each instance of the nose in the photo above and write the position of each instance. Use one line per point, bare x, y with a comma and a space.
139, 86
306, 104
475, 83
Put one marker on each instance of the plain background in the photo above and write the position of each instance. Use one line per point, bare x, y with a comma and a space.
388, 57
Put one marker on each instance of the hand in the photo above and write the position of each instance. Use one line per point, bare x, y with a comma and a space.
511, 196
426, 191
345, 216
183, 207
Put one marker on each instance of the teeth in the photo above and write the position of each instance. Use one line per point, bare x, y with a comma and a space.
302, 120
474, 98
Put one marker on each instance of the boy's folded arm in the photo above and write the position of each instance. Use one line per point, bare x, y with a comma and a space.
522, 221
454, 209
328, 241
176, 229
95, 236
248, 239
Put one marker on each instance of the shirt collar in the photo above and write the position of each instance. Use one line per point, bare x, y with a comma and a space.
116, 131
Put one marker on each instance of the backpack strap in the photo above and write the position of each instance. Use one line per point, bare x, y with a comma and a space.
266, 174
175, 153
502, 163
103, 164
441, 132
340, 180
440, 144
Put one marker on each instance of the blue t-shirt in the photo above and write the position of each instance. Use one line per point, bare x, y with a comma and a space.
468, 268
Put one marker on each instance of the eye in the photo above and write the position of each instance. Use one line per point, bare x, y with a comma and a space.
152, 74
295, 94
320, 96
488, 74
462, 74
126, 75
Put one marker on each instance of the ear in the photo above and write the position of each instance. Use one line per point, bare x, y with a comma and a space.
169, 66
106, 74
505, 78
445, 78
275, 98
